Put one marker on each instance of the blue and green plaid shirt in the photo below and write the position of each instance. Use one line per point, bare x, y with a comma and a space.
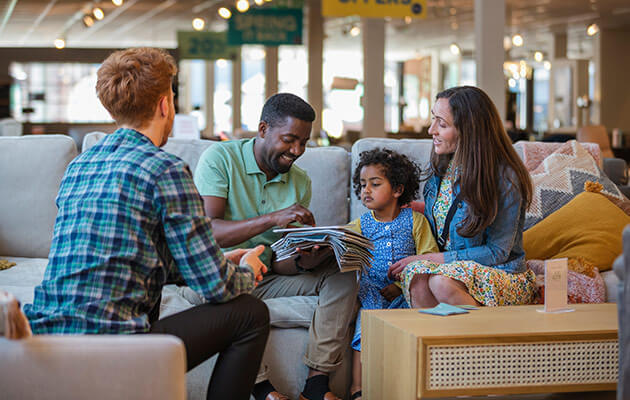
129, 219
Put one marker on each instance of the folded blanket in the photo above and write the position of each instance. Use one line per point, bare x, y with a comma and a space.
13, 322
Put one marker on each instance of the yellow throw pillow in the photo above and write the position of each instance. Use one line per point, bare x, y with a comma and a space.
589, 226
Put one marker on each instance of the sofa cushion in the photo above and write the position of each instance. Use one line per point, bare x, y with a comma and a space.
534, 153
418, 150
561, 176
577, 230
31, 168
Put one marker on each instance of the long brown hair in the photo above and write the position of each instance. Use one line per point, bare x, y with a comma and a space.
484, 155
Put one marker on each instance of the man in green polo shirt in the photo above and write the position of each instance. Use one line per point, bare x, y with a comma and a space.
250, 187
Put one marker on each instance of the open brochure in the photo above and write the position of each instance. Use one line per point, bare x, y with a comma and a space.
352, 250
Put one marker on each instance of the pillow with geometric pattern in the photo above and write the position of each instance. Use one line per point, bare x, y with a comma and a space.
561, 176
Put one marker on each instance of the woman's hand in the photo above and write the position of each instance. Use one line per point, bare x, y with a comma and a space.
396, 268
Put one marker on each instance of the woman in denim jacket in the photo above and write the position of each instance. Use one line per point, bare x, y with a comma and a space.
479, 190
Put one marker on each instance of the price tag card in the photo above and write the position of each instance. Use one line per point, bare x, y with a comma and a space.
556, 272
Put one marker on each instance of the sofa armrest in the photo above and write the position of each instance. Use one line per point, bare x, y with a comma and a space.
617, 170
95, 367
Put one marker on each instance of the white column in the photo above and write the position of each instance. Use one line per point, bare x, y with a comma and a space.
271, 71
209, 106
489, 52
236, 93
315, 45
373, 31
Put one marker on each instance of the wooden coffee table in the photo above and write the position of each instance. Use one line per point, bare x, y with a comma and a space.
492, 350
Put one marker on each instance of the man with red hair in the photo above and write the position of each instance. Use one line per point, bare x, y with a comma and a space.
130, 220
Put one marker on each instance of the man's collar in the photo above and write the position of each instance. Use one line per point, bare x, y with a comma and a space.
251, 166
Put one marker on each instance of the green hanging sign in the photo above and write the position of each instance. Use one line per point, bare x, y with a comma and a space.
269, 27
204, 46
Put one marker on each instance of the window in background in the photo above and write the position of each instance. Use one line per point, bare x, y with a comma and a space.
56, 92
468, 72
392, 96
252, 86
342, 106
293, 70
222, 96
541, 100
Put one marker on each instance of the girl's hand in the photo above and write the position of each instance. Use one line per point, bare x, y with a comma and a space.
390, 292
396, 268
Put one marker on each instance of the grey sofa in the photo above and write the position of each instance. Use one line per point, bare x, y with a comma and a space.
31, 168
621, 267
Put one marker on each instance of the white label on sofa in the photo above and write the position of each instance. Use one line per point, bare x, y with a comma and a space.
556, 285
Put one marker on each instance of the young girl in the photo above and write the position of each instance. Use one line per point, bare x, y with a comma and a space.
385, 181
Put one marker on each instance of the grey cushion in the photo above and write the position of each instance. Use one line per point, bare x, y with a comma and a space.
31, 168
95, 367
418, 150
329, 170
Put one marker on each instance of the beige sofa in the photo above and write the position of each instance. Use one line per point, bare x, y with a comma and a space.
31, 168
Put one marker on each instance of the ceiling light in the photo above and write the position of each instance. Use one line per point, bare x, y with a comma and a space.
538, 56
224, 13
355, 30
592, 29
517, 40
512, 82
117, 3
222, 63
88, 20
452, 11
60, 43
547, 65
454, 25
98, 13
407, 19
242, 5
454, 48
259, 2
507, 43
198, 24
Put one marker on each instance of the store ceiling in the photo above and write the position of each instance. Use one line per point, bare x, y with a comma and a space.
36, 23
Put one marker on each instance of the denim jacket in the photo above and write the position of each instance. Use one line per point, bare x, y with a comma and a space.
500, 245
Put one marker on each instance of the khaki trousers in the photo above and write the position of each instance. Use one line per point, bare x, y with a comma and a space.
335, 312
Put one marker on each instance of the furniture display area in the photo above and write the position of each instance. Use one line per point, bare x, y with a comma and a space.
32, 167
502, 350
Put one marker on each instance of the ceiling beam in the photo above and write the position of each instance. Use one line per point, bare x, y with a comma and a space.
39, 20
7, 15
145, 17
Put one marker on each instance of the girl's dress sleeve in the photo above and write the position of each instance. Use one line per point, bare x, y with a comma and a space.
425, 242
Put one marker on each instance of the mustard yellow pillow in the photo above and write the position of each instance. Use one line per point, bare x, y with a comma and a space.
589, 226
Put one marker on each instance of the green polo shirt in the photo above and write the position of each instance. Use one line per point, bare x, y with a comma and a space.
229, 170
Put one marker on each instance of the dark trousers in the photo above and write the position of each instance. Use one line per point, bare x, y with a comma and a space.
237, 330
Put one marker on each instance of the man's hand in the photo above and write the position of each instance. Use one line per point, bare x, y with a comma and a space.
235, 255
251, 260
390, 292
395, 270
295, 213
315, 256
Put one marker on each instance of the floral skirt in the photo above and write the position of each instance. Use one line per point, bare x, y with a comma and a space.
489, 286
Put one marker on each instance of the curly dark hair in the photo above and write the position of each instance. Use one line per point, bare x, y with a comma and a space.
398, 169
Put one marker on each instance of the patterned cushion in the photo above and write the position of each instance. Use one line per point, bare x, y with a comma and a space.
561, 176
534, 153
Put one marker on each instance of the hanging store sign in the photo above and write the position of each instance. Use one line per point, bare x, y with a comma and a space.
205, 46
375, 8
269, 27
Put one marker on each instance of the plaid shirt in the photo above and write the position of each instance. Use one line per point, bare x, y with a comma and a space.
129, 219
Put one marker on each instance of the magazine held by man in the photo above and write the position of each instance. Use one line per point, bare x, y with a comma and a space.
352, 250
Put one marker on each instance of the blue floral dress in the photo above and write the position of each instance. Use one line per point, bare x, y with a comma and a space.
393, 241
489, 286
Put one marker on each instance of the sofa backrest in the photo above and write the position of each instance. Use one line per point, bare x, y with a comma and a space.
418, 150
31, 168
328, 168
